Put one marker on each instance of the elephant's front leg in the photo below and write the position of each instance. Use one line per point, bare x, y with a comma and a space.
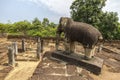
57, 44
67, 45
72, 47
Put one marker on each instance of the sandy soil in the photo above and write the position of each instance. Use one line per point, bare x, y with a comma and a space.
23, 71
106, 75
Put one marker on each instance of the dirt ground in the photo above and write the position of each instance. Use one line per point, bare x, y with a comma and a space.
27, 63
106, 75
23, 71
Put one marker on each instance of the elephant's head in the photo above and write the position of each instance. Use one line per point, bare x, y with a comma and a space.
63, 23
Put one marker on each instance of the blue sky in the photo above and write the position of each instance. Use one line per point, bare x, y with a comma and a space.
18, 10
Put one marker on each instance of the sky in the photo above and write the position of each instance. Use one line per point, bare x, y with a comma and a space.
19, 10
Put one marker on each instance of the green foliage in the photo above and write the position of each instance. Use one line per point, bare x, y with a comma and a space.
45, 22
22, 26
87, 10
2, 28
34, 28
90, 11
109, 25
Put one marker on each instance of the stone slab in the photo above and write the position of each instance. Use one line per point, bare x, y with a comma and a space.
94, 65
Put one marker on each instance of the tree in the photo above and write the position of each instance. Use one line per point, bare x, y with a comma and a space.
109, 25
36, 25
45, 22
90, 11
2, 28
87, 10
118, 37
52, 24
22, 26
36, 21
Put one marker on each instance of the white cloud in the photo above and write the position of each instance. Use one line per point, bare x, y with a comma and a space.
113, 6
62, 7
58, 6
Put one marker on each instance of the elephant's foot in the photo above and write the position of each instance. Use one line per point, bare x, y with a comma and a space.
67, 52
87, 58
89, 53
71, 52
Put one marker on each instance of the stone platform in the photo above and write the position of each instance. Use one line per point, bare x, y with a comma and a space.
94, 65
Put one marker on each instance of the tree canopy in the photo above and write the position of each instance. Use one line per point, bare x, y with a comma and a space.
90, 11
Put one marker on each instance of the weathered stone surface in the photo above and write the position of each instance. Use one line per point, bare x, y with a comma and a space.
94, 65
50, 69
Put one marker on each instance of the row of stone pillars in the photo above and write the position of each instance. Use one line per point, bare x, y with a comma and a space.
13, 50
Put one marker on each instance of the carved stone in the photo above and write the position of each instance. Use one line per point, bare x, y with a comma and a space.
94, 65
11, 57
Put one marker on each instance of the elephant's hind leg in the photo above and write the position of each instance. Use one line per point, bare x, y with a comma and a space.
88, 53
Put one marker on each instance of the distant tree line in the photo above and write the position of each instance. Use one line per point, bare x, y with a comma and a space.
34, 28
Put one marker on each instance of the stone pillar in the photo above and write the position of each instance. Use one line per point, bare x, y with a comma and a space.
15, 48
23, 45
42, 45
38, 48
72, 47
11, 57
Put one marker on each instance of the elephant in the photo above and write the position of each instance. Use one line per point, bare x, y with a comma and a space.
80, 32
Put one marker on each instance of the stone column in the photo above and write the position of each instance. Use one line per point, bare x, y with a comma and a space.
23, 45
15, 48
72, 47
11, 57
42, 45
38, 48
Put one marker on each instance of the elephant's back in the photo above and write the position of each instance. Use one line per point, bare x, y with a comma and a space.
83, 33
